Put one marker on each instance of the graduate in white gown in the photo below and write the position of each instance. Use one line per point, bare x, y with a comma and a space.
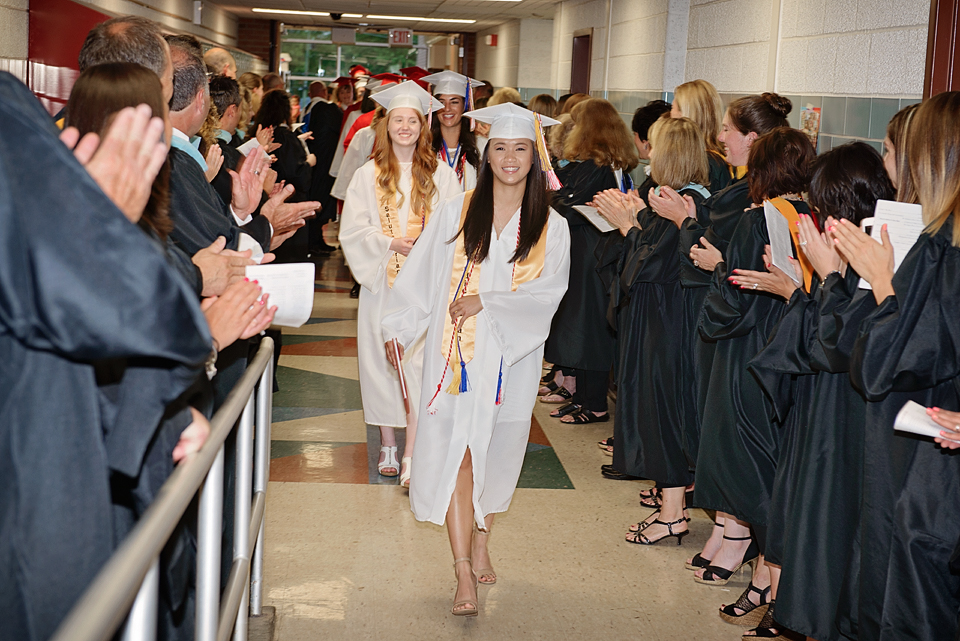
453, 136
388, 203
481, 375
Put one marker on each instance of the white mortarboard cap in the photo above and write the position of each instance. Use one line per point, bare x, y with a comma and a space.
407, 94
451, 83
510, 121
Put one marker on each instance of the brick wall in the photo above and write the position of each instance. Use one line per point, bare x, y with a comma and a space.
254, 36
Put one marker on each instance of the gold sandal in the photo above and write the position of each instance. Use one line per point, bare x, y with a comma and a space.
484, 571
465, 612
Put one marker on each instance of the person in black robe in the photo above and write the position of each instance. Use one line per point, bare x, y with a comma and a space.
325, 119
580, 336
294, 166
804, 369
705, 233
81, 283
648, 302
740, 445
907, 350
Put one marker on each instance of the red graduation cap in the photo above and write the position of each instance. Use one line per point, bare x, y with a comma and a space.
359, 70
345, 80
414, 73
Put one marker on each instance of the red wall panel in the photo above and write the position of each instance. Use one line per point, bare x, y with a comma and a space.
57, 31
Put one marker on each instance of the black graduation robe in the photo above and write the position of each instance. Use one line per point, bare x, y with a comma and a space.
199, 215
78, 283
815, 509
325, 119
740, 443
716, 219
720, 177
648, 430
291, 164
222, 183
580, 335
908, 350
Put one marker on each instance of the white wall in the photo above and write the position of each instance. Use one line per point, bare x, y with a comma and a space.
218, 25
499, 64
732, 43
536, 40
804, 47
856, 47
13, 37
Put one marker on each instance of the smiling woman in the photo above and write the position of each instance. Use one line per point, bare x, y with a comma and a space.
387, 206
482, 284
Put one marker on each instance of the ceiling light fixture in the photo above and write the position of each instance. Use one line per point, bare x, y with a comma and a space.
416, 19
291, 12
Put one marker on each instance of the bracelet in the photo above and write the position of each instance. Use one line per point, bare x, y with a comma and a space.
823, 281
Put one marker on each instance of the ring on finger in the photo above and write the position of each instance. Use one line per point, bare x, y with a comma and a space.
754, 285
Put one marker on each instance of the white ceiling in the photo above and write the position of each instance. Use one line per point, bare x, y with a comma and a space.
487, 13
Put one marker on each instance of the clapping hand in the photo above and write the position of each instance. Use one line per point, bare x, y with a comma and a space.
672, 206
248, 183
618, 208
818, 249
214, 162
773, 280
706, 257
872, 260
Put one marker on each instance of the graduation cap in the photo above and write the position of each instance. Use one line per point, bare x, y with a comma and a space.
451, 83
407, 94
511, 122
359, 70
345, 80
382, 81
415, 73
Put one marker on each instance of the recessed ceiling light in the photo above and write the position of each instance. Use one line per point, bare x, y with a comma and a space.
290, 12
360, 15
416, 19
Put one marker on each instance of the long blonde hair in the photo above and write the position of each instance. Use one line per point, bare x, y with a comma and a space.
933, 151
678, 155
424, 165
699, 101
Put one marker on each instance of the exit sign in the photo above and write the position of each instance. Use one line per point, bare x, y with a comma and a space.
401, 37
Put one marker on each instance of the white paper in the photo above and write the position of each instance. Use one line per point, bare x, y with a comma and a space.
904, 223
291, 289
913, 418
781, 243
591, 214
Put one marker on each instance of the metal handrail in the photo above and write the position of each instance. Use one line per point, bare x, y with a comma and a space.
107, 600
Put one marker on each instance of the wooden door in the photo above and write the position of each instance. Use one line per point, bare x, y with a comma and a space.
580, 63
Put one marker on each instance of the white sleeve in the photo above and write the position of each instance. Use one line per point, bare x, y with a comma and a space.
339, 153
360, 149
365, 246
520, 321
416, 292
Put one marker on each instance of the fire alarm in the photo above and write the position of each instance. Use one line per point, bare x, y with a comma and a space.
491, 40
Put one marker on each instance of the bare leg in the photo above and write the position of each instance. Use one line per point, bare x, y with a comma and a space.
671, 510
765, 575
716, 538
460, 530
481, 555
411, 434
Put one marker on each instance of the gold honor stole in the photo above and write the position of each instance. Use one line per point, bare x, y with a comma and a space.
390, 224
788, 211
465, 281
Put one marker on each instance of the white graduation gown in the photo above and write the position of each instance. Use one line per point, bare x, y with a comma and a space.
358, 153
512, 326
338, 154
367, 250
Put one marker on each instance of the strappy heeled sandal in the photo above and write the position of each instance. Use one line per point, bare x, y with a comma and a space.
405, 473
465, 612
639, 538
643, 525
482, 572
651, 498
390, 462
716, 575
698, 562
767, 628
750, 613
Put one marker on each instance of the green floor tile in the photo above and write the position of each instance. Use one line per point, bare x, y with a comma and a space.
299, 388
543, 470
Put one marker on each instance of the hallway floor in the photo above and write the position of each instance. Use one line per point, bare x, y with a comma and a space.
345, 558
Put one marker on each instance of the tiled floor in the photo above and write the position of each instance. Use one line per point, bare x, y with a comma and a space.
345, 558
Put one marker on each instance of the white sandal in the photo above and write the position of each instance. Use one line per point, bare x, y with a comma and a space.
405, 474
389, 462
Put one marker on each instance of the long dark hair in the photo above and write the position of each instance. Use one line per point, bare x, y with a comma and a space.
99, 93
468, 141
534, 211
274, 110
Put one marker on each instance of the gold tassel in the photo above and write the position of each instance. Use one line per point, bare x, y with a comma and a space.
454, 387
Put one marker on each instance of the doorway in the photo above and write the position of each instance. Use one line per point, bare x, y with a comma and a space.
580, 62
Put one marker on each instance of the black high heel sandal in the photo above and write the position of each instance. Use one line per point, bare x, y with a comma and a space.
750, 613
651, 498
639, 538
698, 562
716, 575
643, 525
767, 628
